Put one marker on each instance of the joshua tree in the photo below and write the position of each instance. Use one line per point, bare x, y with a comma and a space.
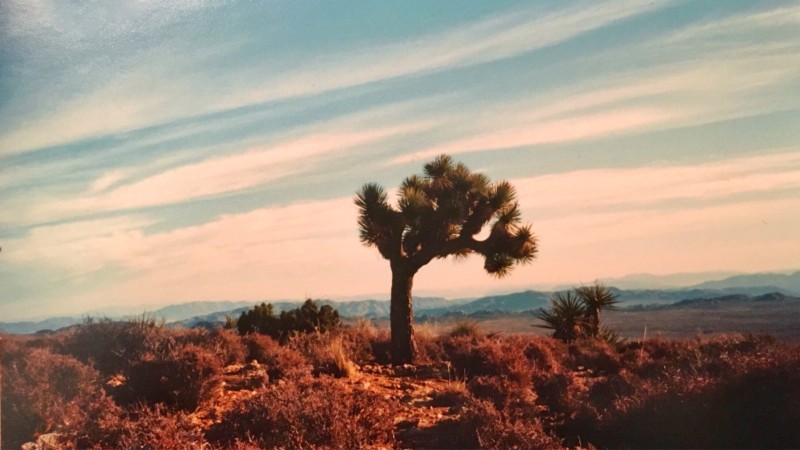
438, 215
595, 298
566, 316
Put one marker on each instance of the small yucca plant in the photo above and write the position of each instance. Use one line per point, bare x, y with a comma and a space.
595, 298
566, 316
576, 314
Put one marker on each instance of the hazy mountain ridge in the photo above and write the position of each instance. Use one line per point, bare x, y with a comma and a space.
734, 299
182, 311
788, 282
782, 287
669, 296
527, 301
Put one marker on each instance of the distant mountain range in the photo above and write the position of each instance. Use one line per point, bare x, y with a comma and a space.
786, 282
732, 289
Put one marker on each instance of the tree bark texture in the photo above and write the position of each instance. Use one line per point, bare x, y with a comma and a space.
404, 351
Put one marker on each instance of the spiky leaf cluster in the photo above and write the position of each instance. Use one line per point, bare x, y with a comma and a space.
440, 213
597, 296
576, 314
565, 316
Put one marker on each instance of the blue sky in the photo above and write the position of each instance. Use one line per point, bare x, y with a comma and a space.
157, 152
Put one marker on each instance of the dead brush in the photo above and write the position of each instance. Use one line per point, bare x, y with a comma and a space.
282, 362
454, 392
327, 352
308, 413
157, 427
341, 364
359, 339
466, 328
428, 342
506, 427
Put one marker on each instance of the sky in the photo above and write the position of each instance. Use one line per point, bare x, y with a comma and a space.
162, 152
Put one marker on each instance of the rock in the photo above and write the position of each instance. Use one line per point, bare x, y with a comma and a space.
47, 441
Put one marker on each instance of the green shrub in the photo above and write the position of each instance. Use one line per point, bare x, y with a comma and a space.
260, 319
305, 319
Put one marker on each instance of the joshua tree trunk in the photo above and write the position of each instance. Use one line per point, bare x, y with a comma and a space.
404, 350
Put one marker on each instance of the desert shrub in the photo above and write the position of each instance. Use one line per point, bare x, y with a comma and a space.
506, 428
463, 354
496, 357
561, 393
97, 428
605, 391
466, 328
180, 379
244, 445
381, 347
428, 343
110, 345
719, 392
502, 392
156, 427
282, 362
259, 347
755, 409
455, 394
309, 413
44, 392
226, 344
358, 339
717, 356
543, 354
595, 355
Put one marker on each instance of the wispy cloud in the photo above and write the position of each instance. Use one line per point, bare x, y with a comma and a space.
494, 38
148, 90
227, 168
279, 252
662, 186
579, 127
210, 177
693, 86
581, 217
